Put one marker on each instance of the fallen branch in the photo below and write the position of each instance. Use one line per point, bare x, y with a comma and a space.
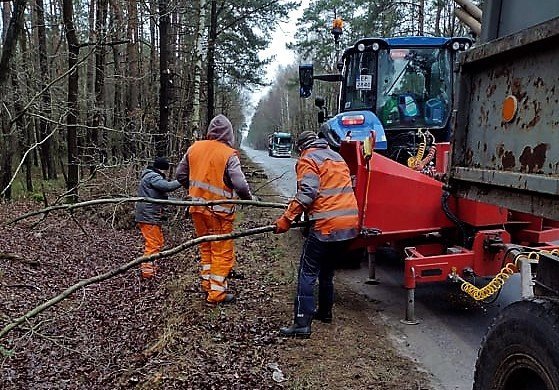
23, 286
10, 256
125, 267
172, 202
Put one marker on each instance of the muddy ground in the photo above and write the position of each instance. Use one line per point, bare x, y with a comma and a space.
159, 334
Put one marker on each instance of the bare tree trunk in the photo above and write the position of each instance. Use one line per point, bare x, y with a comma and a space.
132, 56
439, 6
86, 151
10, 37
99, 115
15, 25
48, 164
5, 136
194, 129
118, 116
210, 77
132, 91
19, 81
421, 17
161, 134
73, 84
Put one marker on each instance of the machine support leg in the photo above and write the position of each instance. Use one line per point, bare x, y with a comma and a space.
526, 282
372, 268
410, 309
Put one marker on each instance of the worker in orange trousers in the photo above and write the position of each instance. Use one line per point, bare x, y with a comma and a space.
149, 216
211, 170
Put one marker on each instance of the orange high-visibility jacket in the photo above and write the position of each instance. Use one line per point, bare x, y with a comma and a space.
325, 191
207, 161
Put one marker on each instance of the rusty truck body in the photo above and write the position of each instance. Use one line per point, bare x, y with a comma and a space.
506, 152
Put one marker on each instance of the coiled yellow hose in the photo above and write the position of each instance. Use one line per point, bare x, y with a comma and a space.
499, 280
492, 287
414, 161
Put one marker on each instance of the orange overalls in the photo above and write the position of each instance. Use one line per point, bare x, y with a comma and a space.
207, 161
153, 239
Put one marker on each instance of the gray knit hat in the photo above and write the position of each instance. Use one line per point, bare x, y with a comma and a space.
306, 138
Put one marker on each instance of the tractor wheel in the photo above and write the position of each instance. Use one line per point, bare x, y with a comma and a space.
521, 348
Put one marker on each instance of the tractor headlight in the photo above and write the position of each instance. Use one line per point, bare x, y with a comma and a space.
376, 46
456, 46
361, 47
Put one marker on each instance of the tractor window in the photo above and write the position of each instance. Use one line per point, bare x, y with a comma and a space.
360, 82
414, 87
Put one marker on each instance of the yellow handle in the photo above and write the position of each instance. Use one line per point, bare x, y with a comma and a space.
369, 146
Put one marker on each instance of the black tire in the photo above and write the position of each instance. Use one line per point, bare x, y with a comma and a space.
521, 348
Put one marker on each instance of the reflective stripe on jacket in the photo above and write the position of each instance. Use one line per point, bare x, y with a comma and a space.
207, 161
324, 188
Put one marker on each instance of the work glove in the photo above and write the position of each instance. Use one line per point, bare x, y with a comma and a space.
294, 209
255, 198
282, 225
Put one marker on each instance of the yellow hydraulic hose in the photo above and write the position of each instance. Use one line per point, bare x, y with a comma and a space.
414, 161
499, 280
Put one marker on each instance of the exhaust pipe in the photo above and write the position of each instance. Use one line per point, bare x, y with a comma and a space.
468, 20
470, 8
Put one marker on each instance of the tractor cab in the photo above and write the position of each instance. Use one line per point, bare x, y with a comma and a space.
392, 86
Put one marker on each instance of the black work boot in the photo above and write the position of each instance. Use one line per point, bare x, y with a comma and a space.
301, 328
323, 315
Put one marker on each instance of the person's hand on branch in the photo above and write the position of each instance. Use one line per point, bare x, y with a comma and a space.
282, 225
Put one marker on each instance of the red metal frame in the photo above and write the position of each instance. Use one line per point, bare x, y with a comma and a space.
537, 229
405, 204
442, 157
434, 263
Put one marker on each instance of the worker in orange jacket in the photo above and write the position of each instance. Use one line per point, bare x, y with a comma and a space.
325, 195
211, 170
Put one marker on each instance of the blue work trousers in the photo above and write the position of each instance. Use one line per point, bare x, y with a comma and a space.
318, 261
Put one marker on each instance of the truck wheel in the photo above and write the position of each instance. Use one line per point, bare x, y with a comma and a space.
521, 348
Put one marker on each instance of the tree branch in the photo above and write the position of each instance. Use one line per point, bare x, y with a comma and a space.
245, 16
54, 81
125, 267
95, 202
22, 161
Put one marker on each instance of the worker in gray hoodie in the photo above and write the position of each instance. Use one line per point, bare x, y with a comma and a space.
149, 216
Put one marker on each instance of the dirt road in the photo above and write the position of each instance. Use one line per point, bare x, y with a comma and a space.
280, 170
